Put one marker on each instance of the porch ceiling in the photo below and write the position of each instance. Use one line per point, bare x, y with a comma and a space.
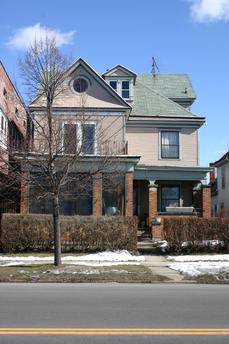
173, 173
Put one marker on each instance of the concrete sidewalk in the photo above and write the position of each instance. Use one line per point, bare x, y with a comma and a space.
159, 266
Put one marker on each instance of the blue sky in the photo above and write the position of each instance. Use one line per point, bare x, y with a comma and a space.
185, 36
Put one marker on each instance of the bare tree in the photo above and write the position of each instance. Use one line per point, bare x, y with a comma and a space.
56, 151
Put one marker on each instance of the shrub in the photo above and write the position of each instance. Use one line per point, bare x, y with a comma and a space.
78, 233
196, 233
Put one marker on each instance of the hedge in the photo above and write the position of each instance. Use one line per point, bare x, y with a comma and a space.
20, 233
196, 233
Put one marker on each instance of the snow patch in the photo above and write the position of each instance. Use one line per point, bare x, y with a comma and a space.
200, 258
107, 258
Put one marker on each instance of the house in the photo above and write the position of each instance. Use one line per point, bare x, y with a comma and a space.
13, 123
220, 186
150, 134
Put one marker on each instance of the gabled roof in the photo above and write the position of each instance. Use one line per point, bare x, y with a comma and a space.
173, 86
99, 79
223, 159
149, 103
119, 67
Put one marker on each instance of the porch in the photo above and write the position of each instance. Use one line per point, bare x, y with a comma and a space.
161, 192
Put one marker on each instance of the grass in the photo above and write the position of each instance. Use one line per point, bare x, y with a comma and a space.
46, 273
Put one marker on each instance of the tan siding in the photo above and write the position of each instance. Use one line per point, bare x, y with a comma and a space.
145, 142
96, 97
109, 130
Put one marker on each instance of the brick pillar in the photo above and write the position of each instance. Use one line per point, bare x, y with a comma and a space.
152, 201
129, 193
24, 201
206, 201
97, 194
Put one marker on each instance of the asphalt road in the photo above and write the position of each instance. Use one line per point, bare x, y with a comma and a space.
114, 313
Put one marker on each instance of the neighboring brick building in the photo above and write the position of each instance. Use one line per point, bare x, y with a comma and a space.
13, 124
154, 140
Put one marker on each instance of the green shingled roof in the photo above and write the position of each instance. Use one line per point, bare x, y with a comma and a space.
150, 98
173, 86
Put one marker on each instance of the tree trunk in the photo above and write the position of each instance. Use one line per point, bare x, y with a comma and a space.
56, 229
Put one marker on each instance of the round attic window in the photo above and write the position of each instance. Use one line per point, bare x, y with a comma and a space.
80, 85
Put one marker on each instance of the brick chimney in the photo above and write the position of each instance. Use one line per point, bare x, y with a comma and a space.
212, 173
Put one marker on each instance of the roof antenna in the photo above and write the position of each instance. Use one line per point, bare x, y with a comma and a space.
155, 68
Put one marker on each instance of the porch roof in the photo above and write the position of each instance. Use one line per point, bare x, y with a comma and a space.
171, 173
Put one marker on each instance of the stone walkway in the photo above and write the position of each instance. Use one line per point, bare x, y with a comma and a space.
159, 266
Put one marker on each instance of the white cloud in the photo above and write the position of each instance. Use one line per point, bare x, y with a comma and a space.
25, 36
210, 10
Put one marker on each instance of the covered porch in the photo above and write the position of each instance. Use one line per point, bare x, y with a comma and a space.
170, 191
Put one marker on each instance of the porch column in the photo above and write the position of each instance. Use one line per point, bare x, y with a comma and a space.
206, 201
129, 193
24, 197
97, 194
152, 201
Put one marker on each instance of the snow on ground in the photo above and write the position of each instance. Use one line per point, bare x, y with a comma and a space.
197, 265
107, 258
200, 258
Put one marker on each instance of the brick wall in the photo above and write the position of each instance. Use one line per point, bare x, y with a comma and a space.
206, 201
129, 193
97, 194
157, 231
24, 204
152, 203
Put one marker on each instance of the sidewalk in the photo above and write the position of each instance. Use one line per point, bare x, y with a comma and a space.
159, 266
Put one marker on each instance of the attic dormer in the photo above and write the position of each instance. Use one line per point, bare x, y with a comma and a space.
121, 80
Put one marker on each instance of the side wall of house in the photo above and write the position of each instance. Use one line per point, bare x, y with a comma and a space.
223, 193
146, 142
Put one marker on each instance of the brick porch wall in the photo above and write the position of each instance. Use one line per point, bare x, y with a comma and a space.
152, 203
157, 231
206, 201
97, 194
129, 193
24, 204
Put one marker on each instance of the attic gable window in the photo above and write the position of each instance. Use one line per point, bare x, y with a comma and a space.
125, 89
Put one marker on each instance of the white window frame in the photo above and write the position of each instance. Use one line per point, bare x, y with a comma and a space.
4, 130
79, 132
160, 146
124, 89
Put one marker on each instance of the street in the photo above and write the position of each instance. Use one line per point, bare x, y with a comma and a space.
114, 313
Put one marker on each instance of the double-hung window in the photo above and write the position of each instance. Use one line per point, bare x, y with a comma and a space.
79, 137
88, 139
125, 89
170, 144
70, 138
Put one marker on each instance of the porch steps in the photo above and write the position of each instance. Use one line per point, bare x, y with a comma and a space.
145, 243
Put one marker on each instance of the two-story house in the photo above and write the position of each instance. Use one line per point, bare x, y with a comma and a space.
220, 186
144, 123
13, 123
